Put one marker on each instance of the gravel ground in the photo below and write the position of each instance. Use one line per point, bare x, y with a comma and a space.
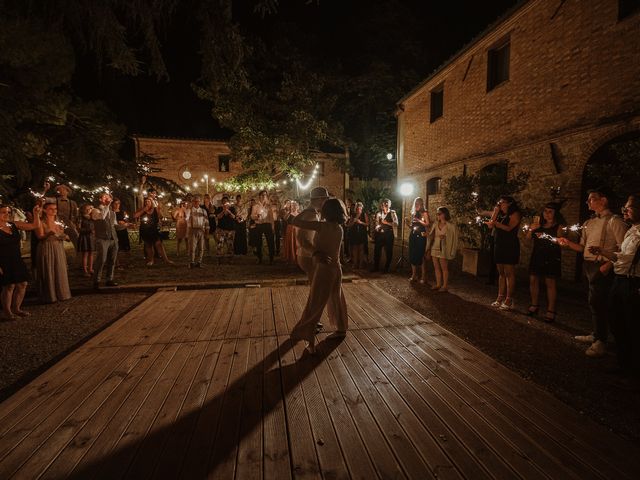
545, 354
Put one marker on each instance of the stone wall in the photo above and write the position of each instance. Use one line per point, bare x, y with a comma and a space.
574, 84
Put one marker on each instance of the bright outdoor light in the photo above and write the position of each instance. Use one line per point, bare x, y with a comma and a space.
389, 156
406, 189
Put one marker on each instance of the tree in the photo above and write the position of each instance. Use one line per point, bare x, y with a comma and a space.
467, 194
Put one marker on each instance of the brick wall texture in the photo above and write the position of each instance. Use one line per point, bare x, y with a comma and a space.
574, 82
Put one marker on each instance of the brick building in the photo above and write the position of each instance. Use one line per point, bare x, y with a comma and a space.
187, 161
542, 89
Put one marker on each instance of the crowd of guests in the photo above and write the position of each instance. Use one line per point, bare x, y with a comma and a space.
608, 244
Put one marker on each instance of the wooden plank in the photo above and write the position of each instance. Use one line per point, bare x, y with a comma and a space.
236, 316
278, 312
222, 325
148, 455
257, 320
248, 299
82, 422
62, 465
386, 465
250, 453
442, 451
268, 319
546, 433
136, 433
169, 463
352, 447
475, 433
207, 301
21, 442
277, 444
200, 446
102, 449
405, 451
38, 391
224, 296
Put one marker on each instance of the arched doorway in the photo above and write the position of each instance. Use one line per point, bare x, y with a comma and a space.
616, 166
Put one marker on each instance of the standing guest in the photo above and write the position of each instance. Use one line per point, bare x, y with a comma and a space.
357, 233
386, 221
13, 271
150, 231
180, 217
545, 258
87, 239
290, 211
624, 297
152, 194
505, 221
197, 226
326, 283
124, 244
105, 226
263, 218
605, 231
278, 224
210, 208
226, 229
251, 225
443, 248
419, 222
346, 244
68, 212
240, 240
51, 261
305, 237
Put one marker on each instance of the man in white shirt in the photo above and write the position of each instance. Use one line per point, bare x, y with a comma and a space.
624, 298
262, 216
304, 237
605, 231
197, 226
105, 224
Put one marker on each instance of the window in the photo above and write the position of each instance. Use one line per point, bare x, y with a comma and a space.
223, 163
437, 103
498, 64
627, 8
433, 186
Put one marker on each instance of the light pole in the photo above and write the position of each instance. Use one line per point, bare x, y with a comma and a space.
406, 189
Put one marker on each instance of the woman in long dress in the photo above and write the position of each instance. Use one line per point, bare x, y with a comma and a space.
326, 283
290, 211
51, 260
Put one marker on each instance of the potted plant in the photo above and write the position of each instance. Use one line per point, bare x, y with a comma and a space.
472, 197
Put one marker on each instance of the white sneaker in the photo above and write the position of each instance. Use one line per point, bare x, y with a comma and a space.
584, 338
597, 349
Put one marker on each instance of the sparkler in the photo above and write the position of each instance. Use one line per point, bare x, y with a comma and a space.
526, 228
573, 228
546, 236
145, 219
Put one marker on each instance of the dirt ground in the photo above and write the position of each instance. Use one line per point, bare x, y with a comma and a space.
545, 354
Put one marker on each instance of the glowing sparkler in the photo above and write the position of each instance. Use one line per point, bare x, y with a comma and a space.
573, 228
546, 236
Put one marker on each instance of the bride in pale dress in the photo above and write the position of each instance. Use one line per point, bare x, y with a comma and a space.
326, 283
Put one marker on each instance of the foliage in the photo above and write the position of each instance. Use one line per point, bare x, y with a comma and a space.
370, 194
618, 167
467, 195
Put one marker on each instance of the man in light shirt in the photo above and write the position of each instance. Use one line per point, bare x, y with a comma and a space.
304, 237
197, 226
105, 224
262, 215
605, 231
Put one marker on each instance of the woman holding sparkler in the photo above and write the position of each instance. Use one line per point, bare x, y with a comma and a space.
51, 260
545, 258
505, 221
150, 231
418, 222
13, 271
444, 236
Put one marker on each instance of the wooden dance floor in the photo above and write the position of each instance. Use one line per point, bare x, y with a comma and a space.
203, 383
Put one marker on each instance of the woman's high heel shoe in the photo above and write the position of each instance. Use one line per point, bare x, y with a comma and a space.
550, 316
533, 310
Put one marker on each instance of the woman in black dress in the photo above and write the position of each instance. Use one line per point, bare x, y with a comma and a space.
545, 258
505, 222
418, 223
357, 234
150, 231
13, 272
124, 244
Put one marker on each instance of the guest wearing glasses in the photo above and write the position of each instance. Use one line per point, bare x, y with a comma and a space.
505, 221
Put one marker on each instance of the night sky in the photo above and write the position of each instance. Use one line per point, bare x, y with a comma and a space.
406, 34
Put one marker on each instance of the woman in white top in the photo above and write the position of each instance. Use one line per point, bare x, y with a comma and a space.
444, 246
326, 283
